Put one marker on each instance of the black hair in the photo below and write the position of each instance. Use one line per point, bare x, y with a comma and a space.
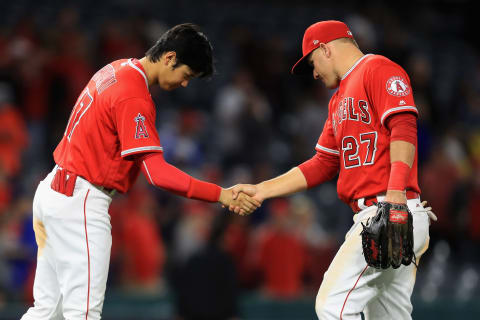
191, 46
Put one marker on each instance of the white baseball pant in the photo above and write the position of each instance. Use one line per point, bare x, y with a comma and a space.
350, 287
74, 240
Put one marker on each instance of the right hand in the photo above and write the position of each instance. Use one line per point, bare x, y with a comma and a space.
243, 204
252, 190
429, 211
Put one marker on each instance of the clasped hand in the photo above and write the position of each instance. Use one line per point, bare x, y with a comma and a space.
241, 199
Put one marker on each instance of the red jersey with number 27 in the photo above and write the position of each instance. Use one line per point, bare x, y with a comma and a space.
112, 120
371, 91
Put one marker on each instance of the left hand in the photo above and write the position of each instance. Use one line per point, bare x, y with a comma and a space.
394, 196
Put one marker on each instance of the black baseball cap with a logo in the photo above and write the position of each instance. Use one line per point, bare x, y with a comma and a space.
320, 32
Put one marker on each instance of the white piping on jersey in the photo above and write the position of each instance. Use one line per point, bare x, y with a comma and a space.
130, 63
328, 150
386, 113
151, 148
354, 65
148, 173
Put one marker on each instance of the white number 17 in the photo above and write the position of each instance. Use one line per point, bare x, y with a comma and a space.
83, 103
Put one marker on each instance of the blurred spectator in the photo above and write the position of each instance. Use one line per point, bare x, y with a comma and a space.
474, 207
6, 191
143, 251
320, 246
13, 134
121, 39
207, 284
438, 179
192, 231
243, 114
280, 254
311, 109
70, 68
420, 68
441, 178
18, 248
237, 237
185, 148
473, 196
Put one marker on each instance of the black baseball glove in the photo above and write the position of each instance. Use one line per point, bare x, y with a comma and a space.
387, 238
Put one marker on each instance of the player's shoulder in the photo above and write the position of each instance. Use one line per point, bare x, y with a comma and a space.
376, 61
126, 79
131, 73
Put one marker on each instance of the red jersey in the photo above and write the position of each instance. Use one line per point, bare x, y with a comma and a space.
371, 91
113, 119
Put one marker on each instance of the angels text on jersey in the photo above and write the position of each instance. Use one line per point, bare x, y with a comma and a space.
349, 110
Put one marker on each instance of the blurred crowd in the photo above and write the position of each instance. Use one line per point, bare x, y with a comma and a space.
250, 122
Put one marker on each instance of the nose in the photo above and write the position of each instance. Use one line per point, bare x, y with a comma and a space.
315, 75
184, 83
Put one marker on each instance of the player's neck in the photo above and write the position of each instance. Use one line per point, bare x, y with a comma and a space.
150, 70
346, 61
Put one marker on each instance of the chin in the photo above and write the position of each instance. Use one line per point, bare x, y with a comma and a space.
167, 87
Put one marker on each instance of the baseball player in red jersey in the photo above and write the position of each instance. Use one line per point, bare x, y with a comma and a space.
370, 140
110, 137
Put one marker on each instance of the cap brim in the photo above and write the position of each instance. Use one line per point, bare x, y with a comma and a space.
302, 66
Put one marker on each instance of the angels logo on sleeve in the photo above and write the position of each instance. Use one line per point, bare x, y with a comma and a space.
141, 130
397, 86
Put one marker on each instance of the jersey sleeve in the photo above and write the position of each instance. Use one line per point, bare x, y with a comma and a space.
326, 142
135, 119
390, 89
320, 168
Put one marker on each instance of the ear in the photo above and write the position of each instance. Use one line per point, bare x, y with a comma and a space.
170, 58
325, 50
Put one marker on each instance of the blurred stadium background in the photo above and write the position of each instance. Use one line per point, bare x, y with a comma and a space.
171, 257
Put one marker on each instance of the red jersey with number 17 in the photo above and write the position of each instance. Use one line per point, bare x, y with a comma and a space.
112, 120
371, 91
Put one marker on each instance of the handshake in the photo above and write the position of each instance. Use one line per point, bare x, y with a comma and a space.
242, 199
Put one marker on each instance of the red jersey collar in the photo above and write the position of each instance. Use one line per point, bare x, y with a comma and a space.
135, 64
354, 65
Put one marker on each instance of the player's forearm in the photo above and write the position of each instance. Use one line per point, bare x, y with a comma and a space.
403, 137
163, 175
402, 155
290, 182
402, 151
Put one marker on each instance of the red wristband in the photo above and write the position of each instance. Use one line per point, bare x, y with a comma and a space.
201, 190
399, 174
